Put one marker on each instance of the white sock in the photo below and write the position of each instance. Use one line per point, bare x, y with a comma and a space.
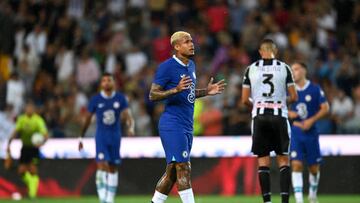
297, 182
111, 186
187, 196
313, 184
159, 197
100, 181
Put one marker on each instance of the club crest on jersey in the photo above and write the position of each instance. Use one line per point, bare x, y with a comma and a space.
116, 105
185, 154
182, 75
101, 105
308, 98
101, 156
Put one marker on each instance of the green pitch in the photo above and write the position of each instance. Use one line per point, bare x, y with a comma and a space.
199, 199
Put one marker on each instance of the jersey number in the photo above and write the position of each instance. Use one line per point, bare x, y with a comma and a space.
267, 80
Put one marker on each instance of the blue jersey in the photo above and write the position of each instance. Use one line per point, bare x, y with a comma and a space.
179, 108
311, 96
107, 110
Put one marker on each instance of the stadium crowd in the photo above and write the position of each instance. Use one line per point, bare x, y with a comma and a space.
55, 51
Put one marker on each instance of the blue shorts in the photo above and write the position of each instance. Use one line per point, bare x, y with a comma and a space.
305, 146
177, 144
108, 150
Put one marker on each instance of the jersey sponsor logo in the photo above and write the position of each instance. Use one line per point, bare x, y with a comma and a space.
185, 154
191, 95
302, 111
109, 117
101, 105
308, 98
116, 105
269, 105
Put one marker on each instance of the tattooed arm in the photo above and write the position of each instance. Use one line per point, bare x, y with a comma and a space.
157, 93
211, 89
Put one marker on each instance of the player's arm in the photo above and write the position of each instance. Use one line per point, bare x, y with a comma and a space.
323, 111
293, 96
86, 125
245, 96
157, 93
126, 116
11, 138
211, 89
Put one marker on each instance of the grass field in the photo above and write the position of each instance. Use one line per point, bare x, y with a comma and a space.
199, 199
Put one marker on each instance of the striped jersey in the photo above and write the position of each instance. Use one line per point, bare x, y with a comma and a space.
268, 80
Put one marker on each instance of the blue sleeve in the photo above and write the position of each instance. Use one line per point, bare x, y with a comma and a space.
124, 102
162, 75
322, 98
92, 105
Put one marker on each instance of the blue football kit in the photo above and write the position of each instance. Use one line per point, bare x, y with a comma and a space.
305, 144
176, 122
108, 131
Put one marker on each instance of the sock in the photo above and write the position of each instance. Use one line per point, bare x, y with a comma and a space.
313, 184
158, 197
111, 186
264, 178
101, 184
187, 196
33, 185
285, 179
297, 182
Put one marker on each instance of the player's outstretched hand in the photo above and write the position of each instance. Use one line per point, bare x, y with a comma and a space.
81, 146
216, 88
184, 84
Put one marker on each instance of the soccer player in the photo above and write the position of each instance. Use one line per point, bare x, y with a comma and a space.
175, 83
265, 87
26, 126
310, 107
110, 107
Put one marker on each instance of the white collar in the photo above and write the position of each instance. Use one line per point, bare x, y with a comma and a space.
307, 83
179, 61
107, 97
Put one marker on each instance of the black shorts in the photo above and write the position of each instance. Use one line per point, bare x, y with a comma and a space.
29, 155
270, 133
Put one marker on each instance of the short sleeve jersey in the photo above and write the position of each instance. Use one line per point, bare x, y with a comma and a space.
311, 96
268, 80
179, 108
107, 111
26, 126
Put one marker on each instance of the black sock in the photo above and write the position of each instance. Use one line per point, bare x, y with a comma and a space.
264, 178
285, 178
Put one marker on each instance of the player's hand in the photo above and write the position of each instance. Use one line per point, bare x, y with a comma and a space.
216, 88
307, 124
184, 84
292, 115
130, 132
81, 146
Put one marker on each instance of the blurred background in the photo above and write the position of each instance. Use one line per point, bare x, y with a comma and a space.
54, 52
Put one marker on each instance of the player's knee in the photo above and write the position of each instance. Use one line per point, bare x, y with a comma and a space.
314, 169
296, 166
183, 171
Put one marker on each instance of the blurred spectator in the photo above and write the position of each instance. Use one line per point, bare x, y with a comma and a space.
36, 40
15, 93
211, 119
352, 126
87, 72
60, 48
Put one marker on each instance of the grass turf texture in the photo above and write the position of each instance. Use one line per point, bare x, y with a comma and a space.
198, 199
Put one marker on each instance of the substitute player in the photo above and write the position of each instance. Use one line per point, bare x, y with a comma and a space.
310, 107
175, 83
109, 107
265, 87
27, 125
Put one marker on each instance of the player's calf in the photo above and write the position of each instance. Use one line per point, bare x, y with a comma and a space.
183, 173
165, 184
